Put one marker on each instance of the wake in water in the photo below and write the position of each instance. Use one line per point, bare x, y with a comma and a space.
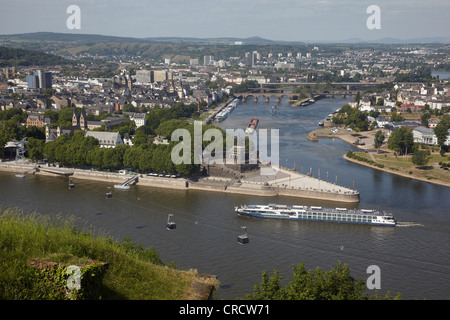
410, 224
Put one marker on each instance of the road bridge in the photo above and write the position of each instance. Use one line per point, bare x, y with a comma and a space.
258, 93
346, 85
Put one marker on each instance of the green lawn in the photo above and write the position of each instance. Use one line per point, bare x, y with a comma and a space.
403, 164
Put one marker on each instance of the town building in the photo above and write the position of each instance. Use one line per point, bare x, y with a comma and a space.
106, 139
37, 120
139, 119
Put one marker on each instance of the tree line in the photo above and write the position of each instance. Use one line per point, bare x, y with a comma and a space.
336, 284
144, 156
10, 57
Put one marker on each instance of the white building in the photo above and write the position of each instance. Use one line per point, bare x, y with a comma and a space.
139, 119
424, 135
106, 139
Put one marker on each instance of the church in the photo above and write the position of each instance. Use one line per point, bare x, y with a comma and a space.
79, 122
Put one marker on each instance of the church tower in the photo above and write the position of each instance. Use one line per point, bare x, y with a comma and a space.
83, 120
75, 118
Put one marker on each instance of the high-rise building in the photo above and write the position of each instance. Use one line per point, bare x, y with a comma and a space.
33, 81
40, 80
144, 76
207, 60
48, 82
251, 58
160, 75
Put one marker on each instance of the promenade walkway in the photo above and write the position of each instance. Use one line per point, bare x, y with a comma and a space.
288, 178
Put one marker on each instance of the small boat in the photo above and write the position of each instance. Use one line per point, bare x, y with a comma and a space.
71, 184
243, 238
170, 225
109, 194
252, 126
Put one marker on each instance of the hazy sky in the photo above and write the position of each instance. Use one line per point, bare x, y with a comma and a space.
294, 20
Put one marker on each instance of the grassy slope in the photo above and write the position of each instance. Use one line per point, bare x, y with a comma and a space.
134, 272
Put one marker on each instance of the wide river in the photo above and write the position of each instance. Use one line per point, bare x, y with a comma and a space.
414, 257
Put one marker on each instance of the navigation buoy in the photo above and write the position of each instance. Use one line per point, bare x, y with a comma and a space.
243, 239
170, 225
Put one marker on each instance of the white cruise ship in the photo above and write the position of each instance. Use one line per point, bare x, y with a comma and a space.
359, 216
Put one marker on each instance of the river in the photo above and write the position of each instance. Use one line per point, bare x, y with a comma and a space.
413, 257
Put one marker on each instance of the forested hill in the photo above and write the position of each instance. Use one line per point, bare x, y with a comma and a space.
21, 57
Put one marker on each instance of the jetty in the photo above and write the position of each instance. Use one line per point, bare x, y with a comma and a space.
21, 175
126, 185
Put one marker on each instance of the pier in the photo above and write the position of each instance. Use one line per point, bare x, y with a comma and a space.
126, 184
21, 175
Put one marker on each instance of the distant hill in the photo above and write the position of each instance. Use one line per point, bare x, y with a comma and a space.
22, 57
95, 38
177, 49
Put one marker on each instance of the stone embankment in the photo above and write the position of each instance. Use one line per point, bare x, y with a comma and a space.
285, 183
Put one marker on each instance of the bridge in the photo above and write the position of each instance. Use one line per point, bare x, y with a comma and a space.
258, 93
267, 95
346, 85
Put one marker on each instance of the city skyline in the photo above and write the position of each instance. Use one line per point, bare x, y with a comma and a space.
284, 20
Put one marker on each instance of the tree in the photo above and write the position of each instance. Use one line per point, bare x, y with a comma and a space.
379, 139
336, 284
420, 158
166, 128
35, 148
357, 97
401, 140
425, 119
441, 130
396, 117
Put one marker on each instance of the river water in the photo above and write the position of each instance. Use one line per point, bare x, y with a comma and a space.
413, 257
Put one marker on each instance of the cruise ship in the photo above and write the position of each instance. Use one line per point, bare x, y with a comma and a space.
358, 216
222, 115
234, 103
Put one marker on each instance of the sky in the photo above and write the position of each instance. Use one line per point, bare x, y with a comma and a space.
289, 20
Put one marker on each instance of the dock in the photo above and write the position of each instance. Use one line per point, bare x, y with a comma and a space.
126, 185
22, 175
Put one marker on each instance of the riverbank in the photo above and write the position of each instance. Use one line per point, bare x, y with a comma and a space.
285, 183
390, 163
407, 171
